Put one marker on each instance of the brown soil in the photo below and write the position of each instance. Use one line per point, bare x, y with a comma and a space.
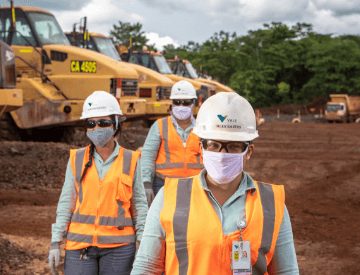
319, 165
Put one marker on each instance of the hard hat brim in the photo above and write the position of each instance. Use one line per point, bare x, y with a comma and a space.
100, 115
230, 136
182, 97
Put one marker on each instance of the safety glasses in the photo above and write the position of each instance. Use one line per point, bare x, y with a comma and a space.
103, 123
230, 147
187, 102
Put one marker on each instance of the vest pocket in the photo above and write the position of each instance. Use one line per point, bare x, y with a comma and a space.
124, 192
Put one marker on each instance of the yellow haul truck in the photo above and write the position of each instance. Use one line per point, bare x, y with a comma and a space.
184, 68
157, 62
343, 108
55, 77
10, 97
144, 103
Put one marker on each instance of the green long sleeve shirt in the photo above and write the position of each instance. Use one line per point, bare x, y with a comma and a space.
67, 201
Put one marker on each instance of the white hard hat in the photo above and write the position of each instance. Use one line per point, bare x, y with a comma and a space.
183, 90
226, 116
100, 104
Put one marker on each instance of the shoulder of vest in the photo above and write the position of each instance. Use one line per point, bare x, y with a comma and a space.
73, 151
276, 189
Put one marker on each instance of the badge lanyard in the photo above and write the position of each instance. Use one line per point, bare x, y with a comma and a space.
241, 253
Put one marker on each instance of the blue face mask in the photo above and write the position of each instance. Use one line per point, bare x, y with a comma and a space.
100, 137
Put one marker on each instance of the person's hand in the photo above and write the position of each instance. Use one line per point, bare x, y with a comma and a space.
149, 192
54, 258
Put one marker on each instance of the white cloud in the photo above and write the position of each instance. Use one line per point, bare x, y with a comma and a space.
101, 16
160, 42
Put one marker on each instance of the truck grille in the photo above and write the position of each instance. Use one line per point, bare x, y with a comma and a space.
129, 87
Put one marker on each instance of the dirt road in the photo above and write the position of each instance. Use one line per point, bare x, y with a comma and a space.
319, 165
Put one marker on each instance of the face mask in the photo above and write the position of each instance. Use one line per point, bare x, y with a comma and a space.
182, 112
223, 167
100, 137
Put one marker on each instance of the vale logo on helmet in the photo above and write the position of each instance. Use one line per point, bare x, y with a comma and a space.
90, 104
222, 118
228, 120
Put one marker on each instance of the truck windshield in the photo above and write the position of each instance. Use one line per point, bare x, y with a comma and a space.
106, 47
47, 28
334, 107
162, 65
191, 70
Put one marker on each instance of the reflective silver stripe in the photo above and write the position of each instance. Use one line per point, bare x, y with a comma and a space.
76, 217
162, 176
116, 239
127, 162
85, 219
79, 238
120, 220
110, 221
169, 165
195, 166
268, 205
165, 137
79, 159
180, 223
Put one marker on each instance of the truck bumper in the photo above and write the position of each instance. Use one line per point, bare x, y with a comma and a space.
47, 113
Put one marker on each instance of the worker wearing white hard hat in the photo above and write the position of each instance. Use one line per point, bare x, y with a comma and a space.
102, 207
171, 149
203, 224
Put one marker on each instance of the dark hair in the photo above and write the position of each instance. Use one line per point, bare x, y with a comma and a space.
92, 146
89, 163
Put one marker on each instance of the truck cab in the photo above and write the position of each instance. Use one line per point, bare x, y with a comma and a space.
157, 62
183, 67
56, 77
150, 82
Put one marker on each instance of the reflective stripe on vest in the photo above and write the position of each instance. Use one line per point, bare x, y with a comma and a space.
178, 217
164, 124
120, 220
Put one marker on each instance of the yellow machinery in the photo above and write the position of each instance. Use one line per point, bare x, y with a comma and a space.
343, 108
157, 62
184, 68
144, 103
55, 77
10, 97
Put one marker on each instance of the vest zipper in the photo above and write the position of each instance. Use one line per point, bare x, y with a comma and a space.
97, 214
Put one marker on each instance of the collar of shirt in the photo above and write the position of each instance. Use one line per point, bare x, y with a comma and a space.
188, 129
112, 157
246, 184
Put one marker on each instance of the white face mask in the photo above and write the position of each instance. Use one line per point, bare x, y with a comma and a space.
182, 112
223, 167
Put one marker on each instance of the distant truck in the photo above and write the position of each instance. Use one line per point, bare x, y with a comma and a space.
343, 108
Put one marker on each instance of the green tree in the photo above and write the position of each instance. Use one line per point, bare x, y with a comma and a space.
122, 33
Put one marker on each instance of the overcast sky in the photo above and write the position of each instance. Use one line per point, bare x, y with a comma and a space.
180, 21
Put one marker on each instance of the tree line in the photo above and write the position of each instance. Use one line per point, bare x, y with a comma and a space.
276, 64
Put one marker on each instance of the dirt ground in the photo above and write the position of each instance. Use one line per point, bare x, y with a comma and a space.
319, 165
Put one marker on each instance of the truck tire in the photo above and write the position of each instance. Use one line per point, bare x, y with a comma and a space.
8, 129
351, 119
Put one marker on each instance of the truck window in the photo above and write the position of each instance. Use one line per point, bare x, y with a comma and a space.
21, 25
47, 28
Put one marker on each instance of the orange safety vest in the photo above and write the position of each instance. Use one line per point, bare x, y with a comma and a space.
102, 214
195, 243
174, 160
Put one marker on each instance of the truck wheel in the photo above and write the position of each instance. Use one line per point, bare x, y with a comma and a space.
330, 121
8, 129
351, 119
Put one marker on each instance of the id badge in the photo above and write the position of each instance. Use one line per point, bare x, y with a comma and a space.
241, 258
